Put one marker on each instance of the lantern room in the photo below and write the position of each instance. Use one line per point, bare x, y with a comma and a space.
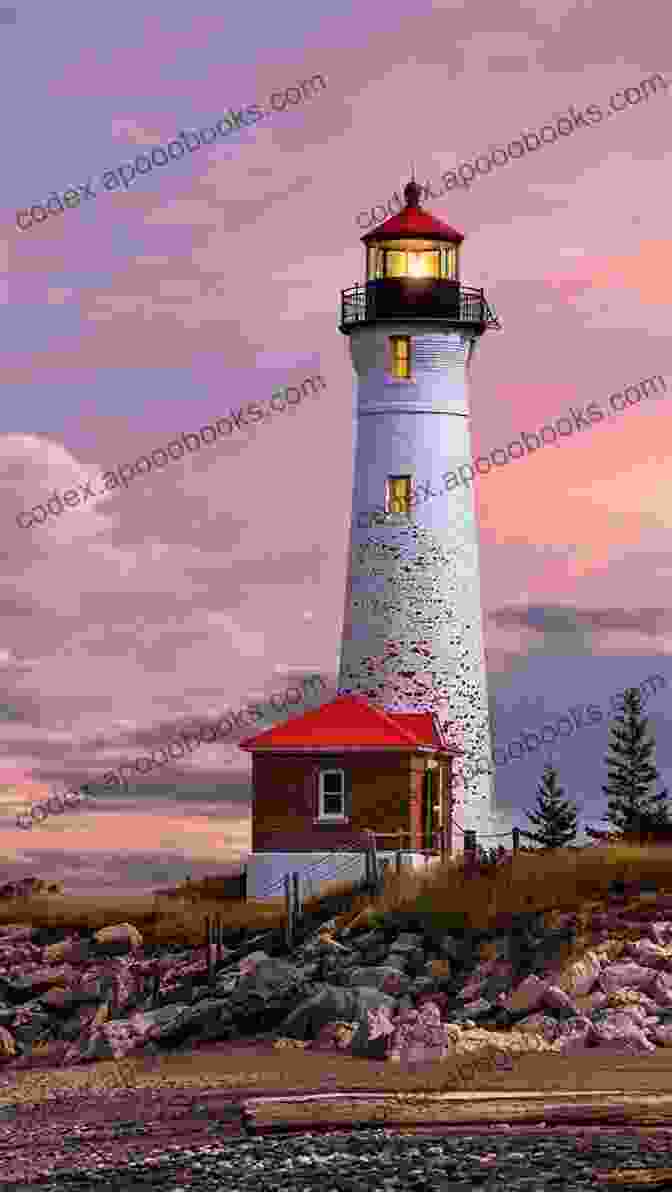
413, 271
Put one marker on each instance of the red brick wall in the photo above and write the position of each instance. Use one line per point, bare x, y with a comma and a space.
285, 800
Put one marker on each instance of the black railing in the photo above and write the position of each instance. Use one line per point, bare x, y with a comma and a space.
416, 298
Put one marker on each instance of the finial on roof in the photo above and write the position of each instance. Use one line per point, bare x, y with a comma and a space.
412, 192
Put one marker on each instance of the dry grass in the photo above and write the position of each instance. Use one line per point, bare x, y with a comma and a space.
567, 880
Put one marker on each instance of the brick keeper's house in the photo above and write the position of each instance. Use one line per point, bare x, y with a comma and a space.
322, 779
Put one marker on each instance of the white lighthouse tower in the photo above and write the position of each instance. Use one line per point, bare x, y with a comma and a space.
412, 633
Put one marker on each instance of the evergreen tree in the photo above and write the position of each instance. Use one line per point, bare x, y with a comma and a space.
630, 770
555, 818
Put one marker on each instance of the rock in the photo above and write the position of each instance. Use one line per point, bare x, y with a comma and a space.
479, 1008
9, 933
336, 1034
621, 1029
539, 1024
210, 1019
332, 1003
582, 975
249, 964
554, 998
451, 947
574, 1035
58, 999
661, 931
620, 974
7, 1045
527, 996
74, 951
442, 968
36, 1028
381, 977
373, 1034
647, 953
21, 989
117, 938
661, 989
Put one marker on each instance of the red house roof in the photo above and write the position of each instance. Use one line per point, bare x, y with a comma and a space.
413, 223
351, 723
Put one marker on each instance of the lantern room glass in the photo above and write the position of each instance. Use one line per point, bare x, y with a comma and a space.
409, 259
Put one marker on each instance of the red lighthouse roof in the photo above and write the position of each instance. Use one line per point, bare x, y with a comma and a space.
351, 723
413, 223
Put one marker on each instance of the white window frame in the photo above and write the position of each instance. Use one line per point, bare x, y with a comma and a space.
321, 814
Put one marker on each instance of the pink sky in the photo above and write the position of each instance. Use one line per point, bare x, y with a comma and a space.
216, 281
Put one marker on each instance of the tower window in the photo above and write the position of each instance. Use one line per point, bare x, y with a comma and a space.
401, 356
398, 495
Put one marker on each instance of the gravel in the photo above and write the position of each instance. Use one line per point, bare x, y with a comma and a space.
378, 1159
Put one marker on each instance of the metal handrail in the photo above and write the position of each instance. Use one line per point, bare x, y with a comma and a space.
359, 302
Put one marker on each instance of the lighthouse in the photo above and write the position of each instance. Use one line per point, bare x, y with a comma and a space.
412, 632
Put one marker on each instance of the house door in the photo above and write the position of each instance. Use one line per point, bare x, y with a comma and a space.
430, 809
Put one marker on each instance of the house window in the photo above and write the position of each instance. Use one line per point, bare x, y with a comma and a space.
332, 795
398, 495
400, 347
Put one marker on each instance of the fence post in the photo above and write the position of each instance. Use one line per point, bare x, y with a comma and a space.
374, 861
220, 934
516, 839
288, 906
298, 907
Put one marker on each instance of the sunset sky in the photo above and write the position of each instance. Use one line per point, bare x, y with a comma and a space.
215, 281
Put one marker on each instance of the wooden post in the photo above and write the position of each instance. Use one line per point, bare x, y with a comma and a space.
374, 861
209, 932
297, 910
288, 906
516, 839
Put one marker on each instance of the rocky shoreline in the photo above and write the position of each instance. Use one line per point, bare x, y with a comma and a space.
387, 993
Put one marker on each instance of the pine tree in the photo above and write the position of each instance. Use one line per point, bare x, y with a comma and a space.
631, 772
555, 818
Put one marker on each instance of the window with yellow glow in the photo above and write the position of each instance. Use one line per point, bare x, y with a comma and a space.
401, 356
398, 496
449, 261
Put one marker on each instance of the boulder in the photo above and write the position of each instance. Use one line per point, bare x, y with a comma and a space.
210, 1019
9, 933
554, 998
381, 977
249, 964
331, 1003
624, 1030
574, 1035
7, 1045
451, 947
39, 981
613, 977
660, 989
373, 1034
36, 1028
479, 1008
441, 968
581, 976
661, 1034
117, 938
76, 952
336, 1034
647, 953
539, 1024
527, 996
660, 931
